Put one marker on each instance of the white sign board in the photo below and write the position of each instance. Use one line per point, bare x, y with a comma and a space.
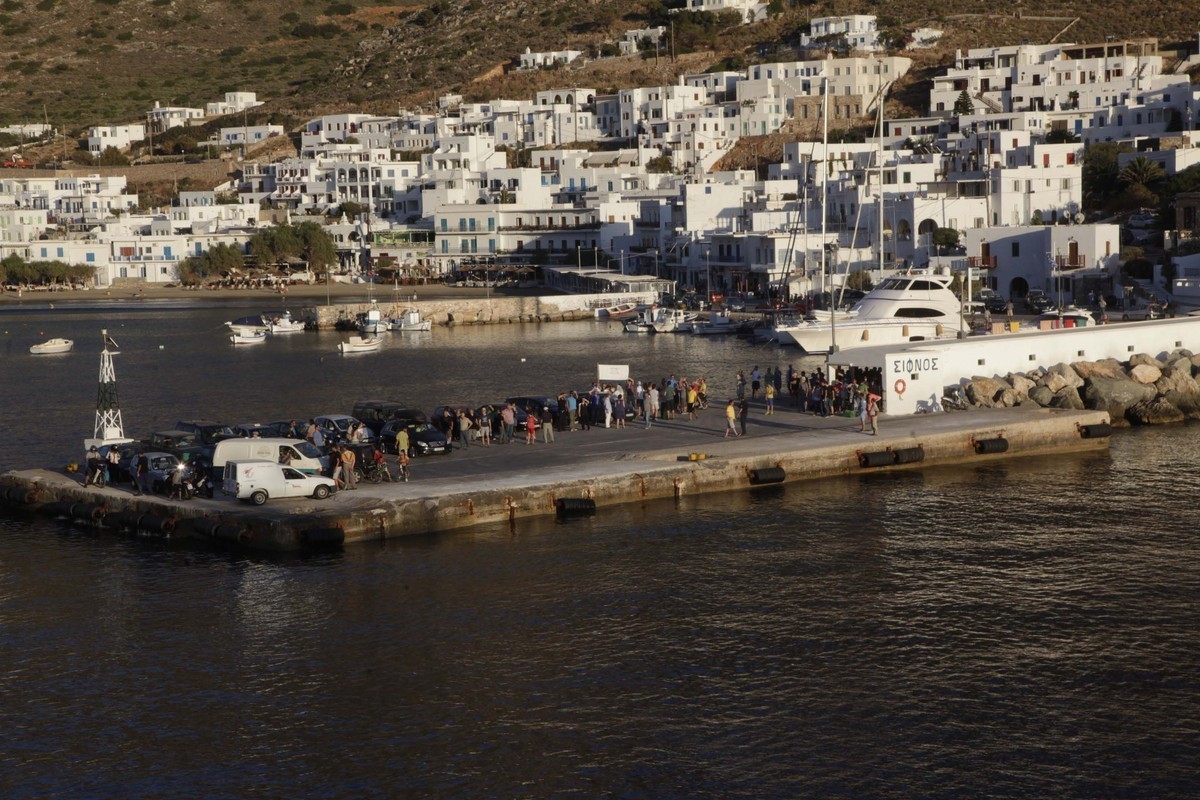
612, 373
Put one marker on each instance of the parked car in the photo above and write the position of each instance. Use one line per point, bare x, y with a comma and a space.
1142, 311
1038, 302
297, 453
993, 301
258, 481
336, 427
423, 438
374, 413
162, 465
122, 471
210, 432
534, 404
443, 416
1143, 219
179, 443
265, 430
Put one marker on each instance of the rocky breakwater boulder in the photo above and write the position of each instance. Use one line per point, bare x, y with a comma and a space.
1143, 391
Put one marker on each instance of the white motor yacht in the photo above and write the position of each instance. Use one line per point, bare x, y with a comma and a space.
902, 308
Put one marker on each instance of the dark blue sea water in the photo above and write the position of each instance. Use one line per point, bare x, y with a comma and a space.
1022, 629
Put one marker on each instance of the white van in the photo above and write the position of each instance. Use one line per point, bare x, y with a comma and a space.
258, 481
296, 453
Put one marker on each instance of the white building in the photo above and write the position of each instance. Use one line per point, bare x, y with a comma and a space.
631, 42
532, 60
858, 31
102, 137
234, 103
164, 118
247, 135
750, 10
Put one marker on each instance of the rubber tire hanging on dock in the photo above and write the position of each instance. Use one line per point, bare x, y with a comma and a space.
989, 446
574, 507
1100, 430
767, 475
882, 458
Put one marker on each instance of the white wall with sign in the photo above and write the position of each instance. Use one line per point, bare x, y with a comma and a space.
913, 380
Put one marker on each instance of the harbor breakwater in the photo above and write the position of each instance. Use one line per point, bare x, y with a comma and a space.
496, 310
569, 482
1141, 391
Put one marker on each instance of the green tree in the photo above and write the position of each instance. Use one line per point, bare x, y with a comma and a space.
275, 245
1100, 172
1141, 171
112, 157
1061, 136
316, 246
661, 163
945, 238
963, 104
350, 209
860, 280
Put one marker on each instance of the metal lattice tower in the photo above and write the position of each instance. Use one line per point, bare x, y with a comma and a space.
108, 409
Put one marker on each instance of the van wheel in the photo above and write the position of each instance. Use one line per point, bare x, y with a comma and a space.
321, 492
259, 497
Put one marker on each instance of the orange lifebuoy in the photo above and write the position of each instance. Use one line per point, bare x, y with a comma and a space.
900, 386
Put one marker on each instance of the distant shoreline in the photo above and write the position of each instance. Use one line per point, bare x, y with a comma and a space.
307, 294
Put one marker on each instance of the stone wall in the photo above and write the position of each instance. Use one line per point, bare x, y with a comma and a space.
481, 310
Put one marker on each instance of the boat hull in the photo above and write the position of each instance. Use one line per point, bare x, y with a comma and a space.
52, 347
818, 337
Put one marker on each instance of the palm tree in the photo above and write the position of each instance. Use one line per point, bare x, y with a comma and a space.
1141, 171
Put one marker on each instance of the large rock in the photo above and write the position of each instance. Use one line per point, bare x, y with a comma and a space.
1054, 382
1154, 412
1106, 368
1035, 374
984, 392
1177, 388
1071, 376
1041, 395
1145, 373
1115, 395
1020, 384
1067, 398
1142, 358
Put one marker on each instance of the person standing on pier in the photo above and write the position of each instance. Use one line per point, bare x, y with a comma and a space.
769, 395
651, 405
508, 419
743, 414
347, 459
755, 382
741, 384
464, 430
402, 440
531, 428
141, 474
547, 426
730, 420
873, 411
585, 412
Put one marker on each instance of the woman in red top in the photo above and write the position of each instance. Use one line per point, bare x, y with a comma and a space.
530, 429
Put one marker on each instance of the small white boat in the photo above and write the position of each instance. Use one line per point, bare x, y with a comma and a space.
715, 325
410, 322
360, 344
52, 346
283, 323
672, 320
248, 325
248, 337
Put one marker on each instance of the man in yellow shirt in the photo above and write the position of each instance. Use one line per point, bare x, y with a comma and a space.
731, 420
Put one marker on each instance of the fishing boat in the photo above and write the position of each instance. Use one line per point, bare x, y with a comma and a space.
373, 323
672, 320
643, 322
903, 308
409, 322
360, 344
715, 325
620, 311
52, 347
248, 337
251, 324
283, 323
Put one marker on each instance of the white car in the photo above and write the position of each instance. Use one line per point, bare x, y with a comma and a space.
1142, 311
259, 481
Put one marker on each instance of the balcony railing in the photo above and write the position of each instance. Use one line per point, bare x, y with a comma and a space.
1069, 262
981, 262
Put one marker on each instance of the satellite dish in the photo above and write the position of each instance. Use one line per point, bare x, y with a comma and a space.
1079, 217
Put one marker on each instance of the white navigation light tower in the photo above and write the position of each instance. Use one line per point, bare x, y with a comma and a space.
108, 429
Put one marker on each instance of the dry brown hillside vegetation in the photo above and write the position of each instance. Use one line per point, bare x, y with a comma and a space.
84, 62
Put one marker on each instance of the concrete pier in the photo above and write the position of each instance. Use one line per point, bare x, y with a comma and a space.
604, 467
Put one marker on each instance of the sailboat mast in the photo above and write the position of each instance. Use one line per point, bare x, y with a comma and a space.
824, 192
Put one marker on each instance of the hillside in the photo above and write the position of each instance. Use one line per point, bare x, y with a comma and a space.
81, 62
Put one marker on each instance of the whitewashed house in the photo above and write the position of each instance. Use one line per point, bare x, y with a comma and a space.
102, 137
234, 103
